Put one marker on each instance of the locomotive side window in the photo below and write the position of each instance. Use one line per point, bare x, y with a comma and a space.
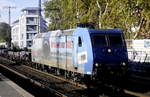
79, 42
99, 41
115, 40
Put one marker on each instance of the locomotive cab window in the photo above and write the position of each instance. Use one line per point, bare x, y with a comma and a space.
99, 40
115, 40
79, 42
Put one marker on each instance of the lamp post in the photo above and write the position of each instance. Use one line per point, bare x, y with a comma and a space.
39, 17
9, 12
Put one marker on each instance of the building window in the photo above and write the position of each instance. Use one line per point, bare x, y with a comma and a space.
30, 35
16, 43
31, 28
13, 30
31, 20
21, 43
32, 12
15, 37
29, 43
21, 36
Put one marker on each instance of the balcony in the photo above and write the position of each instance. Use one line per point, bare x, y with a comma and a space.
30, 36
32, 20
32, 28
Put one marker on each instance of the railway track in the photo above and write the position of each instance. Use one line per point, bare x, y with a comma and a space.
52, 81
59, 78
28, 80
137, 87
55, 84
60, 86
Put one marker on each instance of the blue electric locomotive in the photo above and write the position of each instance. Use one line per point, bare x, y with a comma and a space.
83, 51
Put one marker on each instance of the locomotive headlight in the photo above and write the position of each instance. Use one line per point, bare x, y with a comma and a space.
109, 50
123, 64
96, 64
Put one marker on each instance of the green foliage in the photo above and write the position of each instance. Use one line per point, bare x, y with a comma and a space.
2, 40
5, 33
124, 14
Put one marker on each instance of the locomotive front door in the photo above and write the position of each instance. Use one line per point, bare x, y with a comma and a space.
75, 52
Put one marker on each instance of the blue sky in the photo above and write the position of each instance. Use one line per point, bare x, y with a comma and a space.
15, 12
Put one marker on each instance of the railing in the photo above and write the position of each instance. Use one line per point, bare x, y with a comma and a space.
139, 56
139, 61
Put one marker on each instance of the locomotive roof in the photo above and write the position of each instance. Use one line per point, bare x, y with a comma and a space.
69, 32
56, 33
105, 31
40, 35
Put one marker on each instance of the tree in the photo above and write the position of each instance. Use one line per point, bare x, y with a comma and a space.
52, 11
5, 33
124, 14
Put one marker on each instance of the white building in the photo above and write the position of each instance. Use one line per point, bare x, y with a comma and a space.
24, 29
139, 50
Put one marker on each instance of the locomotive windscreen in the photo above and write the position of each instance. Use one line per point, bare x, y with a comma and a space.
99, 41
103, 40
115, 40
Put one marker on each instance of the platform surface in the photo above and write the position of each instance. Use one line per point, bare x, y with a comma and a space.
10, 89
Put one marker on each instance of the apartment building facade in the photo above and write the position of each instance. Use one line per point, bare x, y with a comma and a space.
26, 27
